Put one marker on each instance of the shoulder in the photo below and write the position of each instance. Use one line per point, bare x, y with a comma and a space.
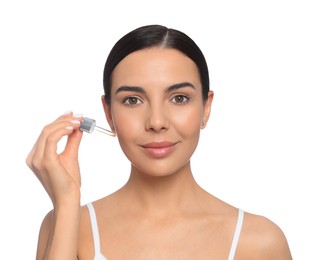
86, 240
261, 239
44, 233
45, 230
85, 216
87, 224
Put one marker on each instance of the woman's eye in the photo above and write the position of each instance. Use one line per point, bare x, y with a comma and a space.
180, 99
131, 101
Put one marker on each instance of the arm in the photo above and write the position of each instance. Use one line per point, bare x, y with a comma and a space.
60, 176
58, 236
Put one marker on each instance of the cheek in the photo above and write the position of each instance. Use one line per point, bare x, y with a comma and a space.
188, 121
126, 129
126, 125
185, 121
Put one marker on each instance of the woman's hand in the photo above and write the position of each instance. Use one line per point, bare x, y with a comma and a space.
58, 173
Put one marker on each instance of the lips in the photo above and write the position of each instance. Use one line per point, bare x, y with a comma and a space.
159, 149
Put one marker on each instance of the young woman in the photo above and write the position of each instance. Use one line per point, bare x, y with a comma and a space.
157, 99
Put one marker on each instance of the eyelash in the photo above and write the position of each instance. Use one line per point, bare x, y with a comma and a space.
126, 101
186, 99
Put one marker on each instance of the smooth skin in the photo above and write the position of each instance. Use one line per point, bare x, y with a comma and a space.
161, 212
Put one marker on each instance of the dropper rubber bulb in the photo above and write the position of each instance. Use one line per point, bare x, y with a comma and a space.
89, 125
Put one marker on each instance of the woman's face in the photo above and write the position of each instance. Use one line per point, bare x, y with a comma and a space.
157, 109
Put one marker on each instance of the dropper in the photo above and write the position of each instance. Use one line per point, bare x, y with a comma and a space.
89, 125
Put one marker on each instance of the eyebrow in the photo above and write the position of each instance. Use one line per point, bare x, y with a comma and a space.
130, 88
180, 85
167, 90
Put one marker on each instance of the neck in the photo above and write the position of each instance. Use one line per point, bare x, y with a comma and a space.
162, 194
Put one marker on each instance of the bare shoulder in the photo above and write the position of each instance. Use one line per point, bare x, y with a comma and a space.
85, 216
46, 223
262, 239
86, 239
44, 234
85, 246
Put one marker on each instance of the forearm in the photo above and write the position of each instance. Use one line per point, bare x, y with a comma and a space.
60, 239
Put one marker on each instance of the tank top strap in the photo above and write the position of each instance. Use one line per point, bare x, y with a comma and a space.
236, 234
100, 256
94, 228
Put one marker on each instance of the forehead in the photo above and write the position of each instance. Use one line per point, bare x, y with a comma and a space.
155, 66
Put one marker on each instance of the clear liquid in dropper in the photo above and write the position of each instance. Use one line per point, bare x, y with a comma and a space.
89, 125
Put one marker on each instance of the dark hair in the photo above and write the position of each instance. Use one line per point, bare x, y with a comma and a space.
152, 36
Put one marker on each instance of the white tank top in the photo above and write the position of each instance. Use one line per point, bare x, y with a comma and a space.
100, 256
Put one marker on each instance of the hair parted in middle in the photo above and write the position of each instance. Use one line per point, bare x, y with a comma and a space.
155, 36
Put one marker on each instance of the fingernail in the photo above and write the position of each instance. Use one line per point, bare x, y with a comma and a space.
77, 115
67, 112
76, 122
69, 127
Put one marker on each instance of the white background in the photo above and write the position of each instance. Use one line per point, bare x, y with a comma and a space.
265, 149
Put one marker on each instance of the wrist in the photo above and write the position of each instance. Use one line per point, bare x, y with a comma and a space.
67, 204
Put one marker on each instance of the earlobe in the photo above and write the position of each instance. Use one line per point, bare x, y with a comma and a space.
108, 114
207, 109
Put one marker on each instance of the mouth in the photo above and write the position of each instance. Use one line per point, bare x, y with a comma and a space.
159, 149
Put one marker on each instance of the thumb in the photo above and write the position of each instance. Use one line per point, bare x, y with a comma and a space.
73, 143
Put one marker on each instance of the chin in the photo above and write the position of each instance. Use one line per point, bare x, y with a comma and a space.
163, 169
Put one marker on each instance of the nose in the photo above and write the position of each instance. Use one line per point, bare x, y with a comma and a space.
157, 119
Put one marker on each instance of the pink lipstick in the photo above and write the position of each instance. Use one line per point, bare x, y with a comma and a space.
160, 149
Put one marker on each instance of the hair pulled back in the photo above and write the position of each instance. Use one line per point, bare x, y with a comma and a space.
153, 36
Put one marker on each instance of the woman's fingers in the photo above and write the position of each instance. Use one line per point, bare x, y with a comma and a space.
58, 173
46, 145
72, 145
58, 131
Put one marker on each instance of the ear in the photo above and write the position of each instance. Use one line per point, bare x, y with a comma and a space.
207, 109
108, 114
